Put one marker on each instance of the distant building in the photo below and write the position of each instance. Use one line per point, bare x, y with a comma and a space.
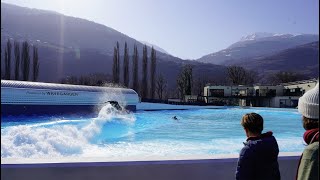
282, 95
298, 88
292, 92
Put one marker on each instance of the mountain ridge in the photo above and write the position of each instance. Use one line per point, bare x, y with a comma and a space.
81, 47
257, 47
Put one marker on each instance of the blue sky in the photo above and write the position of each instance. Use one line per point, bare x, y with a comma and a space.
190, 29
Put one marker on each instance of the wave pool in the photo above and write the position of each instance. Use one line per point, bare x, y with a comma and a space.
116, 134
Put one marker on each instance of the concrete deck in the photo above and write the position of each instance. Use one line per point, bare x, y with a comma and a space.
218, 167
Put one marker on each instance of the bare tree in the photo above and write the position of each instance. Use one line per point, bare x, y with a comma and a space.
185, 81
126, 66
153, 72
17, 60
284, 77
35, 64
199, 85
161, 85
239, 75
180, 86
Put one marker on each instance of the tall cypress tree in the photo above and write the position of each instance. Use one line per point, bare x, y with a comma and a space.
25, 61
118, 63
144, 90
114, 67
17, 60
35, 64
135, 69
126, 66
2, 71
5, 63
153, 72
8, 60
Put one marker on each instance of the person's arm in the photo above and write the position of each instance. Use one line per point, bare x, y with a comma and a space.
245, 164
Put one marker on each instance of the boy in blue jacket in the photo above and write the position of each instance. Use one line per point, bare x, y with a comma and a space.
259, 157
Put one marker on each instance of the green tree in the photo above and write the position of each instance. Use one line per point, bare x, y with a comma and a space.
116, 65
5, 63
144, 88
2, 71
126, 66
25, 61
7, 53
153, 71
17, 59
35, 64
135, 69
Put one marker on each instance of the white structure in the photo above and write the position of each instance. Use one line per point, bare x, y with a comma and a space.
22, 97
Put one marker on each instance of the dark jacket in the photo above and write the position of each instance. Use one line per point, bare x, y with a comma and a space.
259, 159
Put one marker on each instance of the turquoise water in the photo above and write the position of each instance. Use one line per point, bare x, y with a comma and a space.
144, 133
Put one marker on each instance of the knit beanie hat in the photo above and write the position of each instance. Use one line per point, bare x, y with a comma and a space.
308, 104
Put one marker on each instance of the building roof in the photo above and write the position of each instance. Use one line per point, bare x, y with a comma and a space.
314, 80
54, 86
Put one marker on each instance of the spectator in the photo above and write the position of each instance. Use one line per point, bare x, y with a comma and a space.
259, 157
308, 106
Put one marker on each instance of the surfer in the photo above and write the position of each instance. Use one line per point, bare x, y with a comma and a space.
115, 104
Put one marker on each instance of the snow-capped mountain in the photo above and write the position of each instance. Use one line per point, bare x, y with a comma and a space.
255, 36
257, 44
264, 35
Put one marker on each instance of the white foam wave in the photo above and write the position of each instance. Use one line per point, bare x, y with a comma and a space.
54, 123
37, 141
28, 142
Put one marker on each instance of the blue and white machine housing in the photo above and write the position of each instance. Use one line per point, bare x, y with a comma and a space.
29, 98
